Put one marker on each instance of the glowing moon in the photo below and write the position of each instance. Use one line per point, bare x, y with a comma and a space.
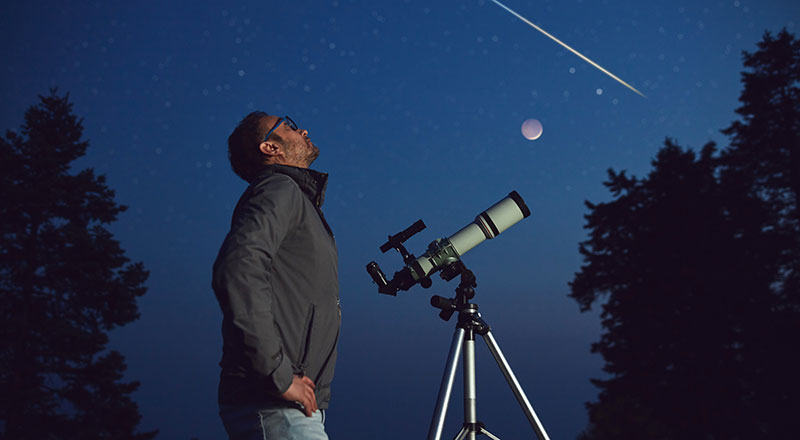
531, 129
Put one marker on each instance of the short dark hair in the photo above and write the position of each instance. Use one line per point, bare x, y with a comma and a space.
243, 152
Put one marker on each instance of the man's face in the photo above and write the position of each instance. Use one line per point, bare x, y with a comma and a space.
296, 147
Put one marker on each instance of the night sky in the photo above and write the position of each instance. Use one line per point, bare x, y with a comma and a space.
416, 108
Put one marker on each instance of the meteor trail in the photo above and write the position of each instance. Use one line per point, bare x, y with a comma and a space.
569, 48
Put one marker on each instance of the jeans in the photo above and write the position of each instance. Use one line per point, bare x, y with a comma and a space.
272, 423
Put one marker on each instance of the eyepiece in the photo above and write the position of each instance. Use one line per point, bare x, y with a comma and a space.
378, 276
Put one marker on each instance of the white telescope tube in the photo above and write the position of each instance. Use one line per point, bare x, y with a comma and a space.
487, 225
490, 223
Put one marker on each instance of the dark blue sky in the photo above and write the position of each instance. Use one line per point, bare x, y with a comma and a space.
416, 107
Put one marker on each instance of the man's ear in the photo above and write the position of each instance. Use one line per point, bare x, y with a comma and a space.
271, 149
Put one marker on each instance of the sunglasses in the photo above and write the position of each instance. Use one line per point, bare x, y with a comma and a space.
285, 119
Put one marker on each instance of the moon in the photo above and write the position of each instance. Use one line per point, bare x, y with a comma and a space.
531, 129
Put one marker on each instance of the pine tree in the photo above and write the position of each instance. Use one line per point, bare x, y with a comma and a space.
680, 273
764, 160
698, 265
765, 143
764, 154
64, 283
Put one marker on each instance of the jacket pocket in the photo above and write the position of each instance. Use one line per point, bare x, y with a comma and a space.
305, 342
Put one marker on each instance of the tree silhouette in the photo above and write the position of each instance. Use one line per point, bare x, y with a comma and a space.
64, 283
764, 159
765, 145
695, 263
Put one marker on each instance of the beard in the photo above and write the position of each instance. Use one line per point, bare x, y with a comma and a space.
313, 154
303, 153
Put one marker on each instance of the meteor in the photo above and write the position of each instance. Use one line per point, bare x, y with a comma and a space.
569, 48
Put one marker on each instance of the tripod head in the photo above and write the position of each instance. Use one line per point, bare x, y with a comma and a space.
464, 292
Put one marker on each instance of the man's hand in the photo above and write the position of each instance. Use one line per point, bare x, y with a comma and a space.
302, 390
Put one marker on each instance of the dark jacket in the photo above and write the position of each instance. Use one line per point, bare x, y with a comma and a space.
276, 281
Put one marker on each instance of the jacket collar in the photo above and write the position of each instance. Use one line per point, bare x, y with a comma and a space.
313, 183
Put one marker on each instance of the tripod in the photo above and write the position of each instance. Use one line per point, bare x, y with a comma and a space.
469, 324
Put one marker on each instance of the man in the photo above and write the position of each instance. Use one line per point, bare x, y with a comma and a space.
276, 282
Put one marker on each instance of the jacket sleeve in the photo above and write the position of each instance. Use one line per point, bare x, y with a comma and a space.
242, 275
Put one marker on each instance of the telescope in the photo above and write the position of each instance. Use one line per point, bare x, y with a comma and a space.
443, 253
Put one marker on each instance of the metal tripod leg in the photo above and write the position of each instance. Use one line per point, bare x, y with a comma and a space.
437, 424
471, 426
470, 390
470, 323
515, 387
